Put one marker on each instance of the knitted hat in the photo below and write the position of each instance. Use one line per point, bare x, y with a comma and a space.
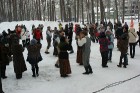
33, 42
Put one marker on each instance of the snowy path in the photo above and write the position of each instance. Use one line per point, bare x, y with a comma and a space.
50, 81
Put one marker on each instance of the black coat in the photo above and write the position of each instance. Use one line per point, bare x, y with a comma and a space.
4, 55
18, 59
64, 47
34, 55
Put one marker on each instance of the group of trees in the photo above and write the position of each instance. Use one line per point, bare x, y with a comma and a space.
64, 10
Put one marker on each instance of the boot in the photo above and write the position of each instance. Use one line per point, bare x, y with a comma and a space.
3, 76
47, 51
124, 66
71, 52
37, 69
56, 65
90, 69
18, 76
33, 70
87, 72
120, 65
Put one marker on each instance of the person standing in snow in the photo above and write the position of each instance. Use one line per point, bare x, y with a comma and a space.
85, 41
79, 48
34, 56
104, 42
132, 40
64, 63
27, 37
57, 40
70, 37
33, 30
110, 37
49, 38
18, 59
23, 36
38, 35
66, 30
110, 25
1, 63
4, 51
138, 33
55, 43
123, 47
119, 32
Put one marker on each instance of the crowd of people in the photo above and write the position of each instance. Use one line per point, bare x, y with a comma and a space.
61, 38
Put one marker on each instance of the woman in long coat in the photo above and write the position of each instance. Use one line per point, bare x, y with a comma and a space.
64, 64
18, 60
34, 56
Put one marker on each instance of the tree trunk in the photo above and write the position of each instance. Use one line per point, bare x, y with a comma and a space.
77, 11
97, 11
102, 10
123, 11
93, 13
116, 12
75, 18
82, 11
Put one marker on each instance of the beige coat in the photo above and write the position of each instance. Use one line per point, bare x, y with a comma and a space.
132, 35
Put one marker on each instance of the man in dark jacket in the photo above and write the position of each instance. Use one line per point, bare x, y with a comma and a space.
1, 63
123, 47
70, 36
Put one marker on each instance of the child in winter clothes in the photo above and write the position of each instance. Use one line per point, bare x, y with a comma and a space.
34, 56
48, 37
104, 42
110, 37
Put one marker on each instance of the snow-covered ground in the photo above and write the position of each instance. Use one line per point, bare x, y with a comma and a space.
50, 81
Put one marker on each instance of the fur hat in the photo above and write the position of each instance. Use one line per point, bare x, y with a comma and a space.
33, 42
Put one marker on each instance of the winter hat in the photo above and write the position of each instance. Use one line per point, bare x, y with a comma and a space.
33, 42
102, 35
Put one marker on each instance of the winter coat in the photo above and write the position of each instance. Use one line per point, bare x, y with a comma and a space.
34, 55
38, 34
48, 35
123, 43
27, 35
110, 37
111, 41
64, 47
18, 59
4, 55
132, 35
23, 34
104, 42
86, 51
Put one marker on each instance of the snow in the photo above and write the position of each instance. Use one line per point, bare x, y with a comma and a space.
50, 81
